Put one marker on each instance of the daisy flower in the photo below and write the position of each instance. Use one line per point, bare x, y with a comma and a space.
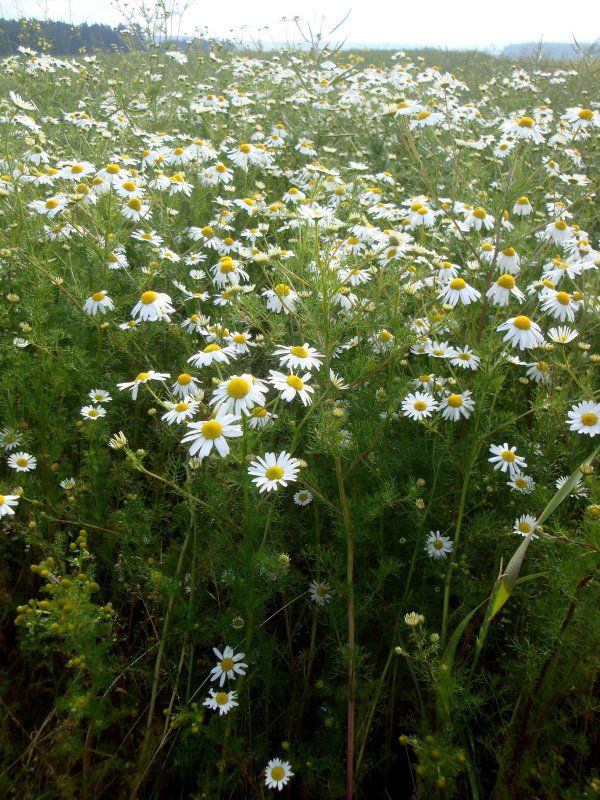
277, 774
98, 302
299, 356
212, 354
211, 433
239, 394
506, 459
500, 291
438, 546
465, 358
525, 525
522, 208
221, 701
273, 471
260, 417
9, 439
521, 332
179, 412
292, 385
142, 377
578, 491
417, 406
99, 396
455, 406
521, 483
562, 334
118, 441
303, 497
229, 665
281, 298
185, 385
93, 412
319, 592
458, 291
152, 306
7, 503
584, 418
560, 305
523, 128
22, 462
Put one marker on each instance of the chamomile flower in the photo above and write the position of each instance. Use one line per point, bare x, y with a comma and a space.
418, 405
500, 292
282, 298
438, 546
213, 432
273, 471
562, 334
523, 128
458, 405
292, 386
99, 302
303, 497
458, 291
521, 332
299, 357
319, 592
560, 305
99, 396
22, 462
93, 412
142, 377
221, 701
520, 482
179, 412
505, 459
212, 354
239, 394
9, 439
185, 385
584, 418
7, 503
277, 774
229, 665
525, 525
152, 306
465, 358
522, 207
539, 371
68, 484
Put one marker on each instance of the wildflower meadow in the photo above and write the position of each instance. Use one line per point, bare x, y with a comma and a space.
300, 425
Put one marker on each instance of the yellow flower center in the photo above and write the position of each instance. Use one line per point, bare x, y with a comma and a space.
211, 348
259, 412
525, 122
135, 204
563, 298
227, 266
295, 382
277, 773
560, 225
508, 455
506, 281
274, 473
423, 114
76, 169
479, 213
22, 461
437, 544
522, 323
149, 297
238, 388
221, 698
227, 664
93, 413
385, 336
521, 483
353, 240
1, 499
524, 527
52, 203
143, 376
212, 430
458, 284
510, 251
455, 401
129, 186
282, 290
184, 379
113, 169
245, 148
420, 405
589, 419
97, 296
523, 201
181, 407
586, 113
240, 338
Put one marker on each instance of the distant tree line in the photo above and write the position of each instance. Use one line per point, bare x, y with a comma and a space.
61, 38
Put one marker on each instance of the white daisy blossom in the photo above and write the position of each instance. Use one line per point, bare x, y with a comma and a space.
277, 773
418, 405
211, 433
299, 356
303, 497
525, 526
7, 503
521, 483
521, 332
152, 306
562, 334
458, 291
98, 302
142, 377
239, 394
438, 546
561, 305
273, 471
221, 701
506, 459
500, 291
319, 592
455, 406
292, 386
22, 462
212, 354
185, 386
584, 418
229, 665
179, 412
99, 396
93, 412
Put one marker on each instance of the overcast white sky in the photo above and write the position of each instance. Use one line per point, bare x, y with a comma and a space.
463, 23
